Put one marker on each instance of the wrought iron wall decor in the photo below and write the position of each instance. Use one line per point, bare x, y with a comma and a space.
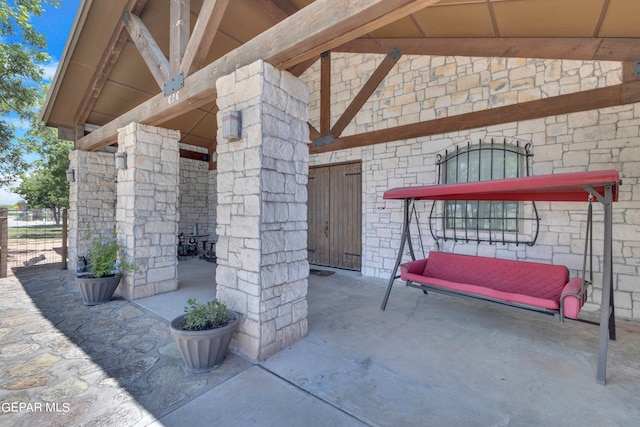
484, 221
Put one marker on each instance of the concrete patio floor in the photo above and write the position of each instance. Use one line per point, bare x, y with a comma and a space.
426, 360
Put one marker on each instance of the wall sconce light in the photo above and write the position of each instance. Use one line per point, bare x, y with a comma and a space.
231, 124
121, 160
71, 175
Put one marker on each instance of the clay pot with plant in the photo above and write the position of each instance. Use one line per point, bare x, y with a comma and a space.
203, 333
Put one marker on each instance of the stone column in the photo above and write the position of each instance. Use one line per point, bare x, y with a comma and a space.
92, 200
147, 209
213, 205
262, 208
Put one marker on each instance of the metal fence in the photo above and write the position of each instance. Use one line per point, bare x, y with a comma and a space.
31, 241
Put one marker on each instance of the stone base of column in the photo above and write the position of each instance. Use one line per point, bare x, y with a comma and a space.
147, 209
262, 208
92, 200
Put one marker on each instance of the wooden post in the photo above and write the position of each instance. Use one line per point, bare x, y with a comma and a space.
4, 240
65, 235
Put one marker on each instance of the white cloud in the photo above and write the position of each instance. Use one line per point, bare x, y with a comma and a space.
7, 197
50, 69
21, 126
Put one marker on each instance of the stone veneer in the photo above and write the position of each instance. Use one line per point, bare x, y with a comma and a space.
147, 208
194, 193
213, 206
427, 87
92, 200
262, 213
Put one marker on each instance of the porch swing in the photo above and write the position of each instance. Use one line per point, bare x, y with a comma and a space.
517, 283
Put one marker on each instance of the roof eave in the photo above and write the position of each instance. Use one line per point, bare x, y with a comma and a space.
74, 34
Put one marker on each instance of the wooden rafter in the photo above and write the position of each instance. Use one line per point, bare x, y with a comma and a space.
203, 34
311, 37
179, 18
313, 132
108, 61
309, 32
611, 96
194, 155
297, 70
581, 49
148, 48
325, 93
494, 21
278, 9
365, 93
603, 13
628, 72
211, 150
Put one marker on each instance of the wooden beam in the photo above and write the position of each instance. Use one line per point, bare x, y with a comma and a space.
334, 23
325, 24
204, 32
603, 13
211, 150
71, 134
194, 155
365, 93
628, 72
325, 93
610, 96
298, 69
313, 132
108, 61
277, 9
180, 21
148, 48
582, 49
492, 14
631, 92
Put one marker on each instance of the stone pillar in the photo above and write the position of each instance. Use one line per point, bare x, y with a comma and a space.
92, 200
213, 205
147, 209
262, 208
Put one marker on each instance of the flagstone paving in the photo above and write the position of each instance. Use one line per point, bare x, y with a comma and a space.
64, 363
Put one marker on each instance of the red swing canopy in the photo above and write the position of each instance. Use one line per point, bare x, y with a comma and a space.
565, 187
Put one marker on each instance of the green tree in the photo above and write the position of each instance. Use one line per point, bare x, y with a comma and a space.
46, 186
22, 48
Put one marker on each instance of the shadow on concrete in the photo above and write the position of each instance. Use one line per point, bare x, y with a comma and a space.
113, 364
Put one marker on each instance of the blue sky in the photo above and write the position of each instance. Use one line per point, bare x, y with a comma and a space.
55, 24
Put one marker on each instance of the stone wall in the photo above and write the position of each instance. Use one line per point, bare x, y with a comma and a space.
194, 193
424, 88
262, 218
147, 208
92, 200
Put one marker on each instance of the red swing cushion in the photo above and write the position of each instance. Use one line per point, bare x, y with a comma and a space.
531, 283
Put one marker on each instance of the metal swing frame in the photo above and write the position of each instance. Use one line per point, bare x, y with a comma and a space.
602, 186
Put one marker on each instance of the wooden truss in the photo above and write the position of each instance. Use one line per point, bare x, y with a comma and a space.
314, 34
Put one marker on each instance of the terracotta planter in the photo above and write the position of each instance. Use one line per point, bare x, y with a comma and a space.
203, 351
97, 290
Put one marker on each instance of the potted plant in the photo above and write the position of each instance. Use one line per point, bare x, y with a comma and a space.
203, 333
105, 265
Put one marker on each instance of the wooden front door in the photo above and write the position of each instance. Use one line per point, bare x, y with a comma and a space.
335, 216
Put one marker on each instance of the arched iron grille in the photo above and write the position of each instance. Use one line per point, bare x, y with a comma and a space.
484, 221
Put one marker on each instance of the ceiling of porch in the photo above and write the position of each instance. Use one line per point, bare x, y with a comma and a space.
103, 75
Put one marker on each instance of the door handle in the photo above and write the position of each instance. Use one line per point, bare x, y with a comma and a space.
326, 229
